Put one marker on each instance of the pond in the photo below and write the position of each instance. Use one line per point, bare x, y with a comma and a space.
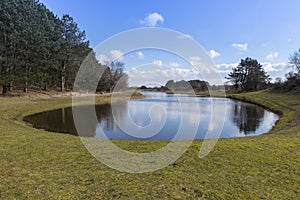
160, 116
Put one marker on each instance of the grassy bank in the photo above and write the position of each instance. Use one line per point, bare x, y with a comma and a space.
37, 164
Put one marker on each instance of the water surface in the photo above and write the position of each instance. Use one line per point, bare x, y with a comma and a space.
160, 116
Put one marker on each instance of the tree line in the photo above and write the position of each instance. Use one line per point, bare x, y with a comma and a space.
249, 75
196, 85
40, 50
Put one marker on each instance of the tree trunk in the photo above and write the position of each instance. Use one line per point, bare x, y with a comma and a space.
10, 86
4, 89
63, 81
25, 87
45, 87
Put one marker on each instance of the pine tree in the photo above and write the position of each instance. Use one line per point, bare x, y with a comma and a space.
39, 50
249, 75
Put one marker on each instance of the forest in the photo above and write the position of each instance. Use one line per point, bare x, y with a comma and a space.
42, 51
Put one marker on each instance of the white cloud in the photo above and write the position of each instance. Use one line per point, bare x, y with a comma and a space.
268, 67
227, 66
185, 36
159, 75
224, 71
204, 68
103, 59
241, 47
157, 62
174, 64
187, 74
196, 62
114, 55
140, 55
213, 54
152, 19
272, 56
274, 67
281, 64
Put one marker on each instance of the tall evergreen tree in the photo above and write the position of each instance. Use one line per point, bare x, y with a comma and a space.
74, 49
39, 50
10, 22
249, 75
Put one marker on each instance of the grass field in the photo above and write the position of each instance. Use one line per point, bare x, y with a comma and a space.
36, 164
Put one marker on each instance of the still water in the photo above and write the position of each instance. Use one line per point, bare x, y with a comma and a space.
162, 116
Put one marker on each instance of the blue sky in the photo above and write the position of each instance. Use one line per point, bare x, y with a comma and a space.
267, 30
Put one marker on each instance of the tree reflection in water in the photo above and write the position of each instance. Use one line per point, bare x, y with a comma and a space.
247, 117
61, 120
108, 118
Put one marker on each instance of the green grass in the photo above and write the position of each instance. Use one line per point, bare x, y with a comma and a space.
36, 164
